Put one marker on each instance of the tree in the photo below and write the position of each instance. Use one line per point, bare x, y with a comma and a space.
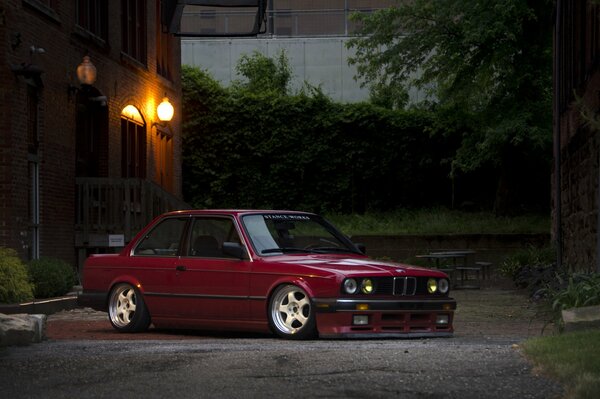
262, 73
486, 66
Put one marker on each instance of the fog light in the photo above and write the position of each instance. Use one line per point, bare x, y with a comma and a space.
431, 285
360, 320
366, 286
441, 319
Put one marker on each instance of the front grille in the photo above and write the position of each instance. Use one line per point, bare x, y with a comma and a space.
400, 286
405, 286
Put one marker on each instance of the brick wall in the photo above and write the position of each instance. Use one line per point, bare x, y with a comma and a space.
122, 81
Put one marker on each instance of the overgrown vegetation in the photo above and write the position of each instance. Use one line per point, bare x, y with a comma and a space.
51, 277
580, 290
555, 290
441, 221
532, 268
14, 280
572, 358
256, 145
486, 66
253, 148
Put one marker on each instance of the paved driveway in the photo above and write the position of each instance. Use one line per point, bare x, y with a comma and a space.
84, 357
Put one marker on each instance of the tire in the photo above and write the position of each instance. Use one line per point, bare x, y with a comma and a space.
127, 311
291, 313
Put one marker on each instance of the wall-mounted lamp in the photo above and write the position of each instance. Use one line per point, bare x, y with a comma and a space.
165, 112
86, 72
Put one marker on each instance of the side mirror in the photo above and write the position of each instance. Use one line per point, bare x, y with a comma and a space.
234, 250
361, 247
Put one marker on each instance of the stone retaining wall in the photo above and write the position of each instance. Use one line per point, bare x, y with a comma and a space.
489, 247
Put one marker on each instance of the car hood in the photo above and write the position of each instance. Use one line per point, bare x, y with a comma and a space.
353, 266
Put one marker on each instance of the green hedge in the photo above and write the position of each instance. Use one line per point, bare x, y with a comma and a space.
51, 277
14, 280
248, 149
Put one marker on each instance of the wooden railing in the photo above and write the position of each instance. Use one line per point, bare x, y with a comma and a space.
117, 206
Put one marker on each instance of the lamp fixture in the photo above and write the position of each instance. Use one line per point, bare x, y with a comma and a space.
165, 112
86, 72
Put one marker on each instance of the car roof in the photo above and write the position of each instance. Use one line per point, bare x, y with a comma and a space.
234, 212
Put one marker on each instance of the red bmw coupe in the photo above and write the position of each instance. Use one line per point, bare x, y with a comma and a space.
291, 273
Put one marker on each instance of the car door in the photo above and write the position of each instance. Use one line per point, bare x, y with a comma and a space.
216, 284
153, 262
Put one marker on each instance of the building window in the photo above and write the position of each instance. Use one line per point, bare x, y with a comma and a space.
92, 16
133, 14
164, 160
164, 47
133, 145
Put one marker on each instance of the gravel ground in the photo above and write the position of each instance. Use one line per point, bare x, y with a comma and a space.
487, 313
86, 358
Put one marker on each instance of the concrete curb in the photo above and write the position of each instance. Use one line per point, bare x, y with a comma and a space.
25, 323
579, 319
43, 306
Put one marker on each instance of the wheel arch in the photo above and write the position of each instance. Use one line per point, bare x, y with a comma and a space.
290, 280
126, 279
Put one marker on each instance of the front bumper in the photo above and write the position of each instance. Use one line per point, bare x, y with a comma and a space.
385, 318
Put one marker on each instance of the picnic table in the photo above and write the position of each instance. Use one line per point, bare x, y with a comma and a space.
453, 262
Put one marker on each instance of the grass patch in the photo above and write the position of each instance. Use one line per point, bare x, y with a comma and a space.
438, 221
572, 358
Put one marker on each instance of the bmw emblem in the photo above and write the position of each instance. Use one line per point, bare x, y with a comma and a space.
400, 270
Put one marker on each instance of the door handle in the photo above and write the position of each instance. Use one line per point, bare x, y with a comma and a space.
180, 268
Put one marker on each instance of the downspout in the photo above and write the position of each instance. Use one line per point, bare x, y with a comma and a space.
557, 135
598, 221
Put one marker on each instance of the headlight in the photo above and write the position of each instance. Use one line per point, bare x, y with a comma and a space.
367, 286
350, 286
443, 285
432, 285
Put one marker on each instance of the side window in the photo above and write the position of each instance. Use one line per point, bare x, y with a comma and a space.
209, 234
163, 240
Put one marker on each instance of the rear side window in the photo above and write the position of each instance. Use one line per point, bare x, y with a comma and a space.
162, 240
209, 234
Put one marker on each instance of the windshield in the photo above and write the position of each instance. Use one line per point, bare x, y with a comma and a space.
277, 233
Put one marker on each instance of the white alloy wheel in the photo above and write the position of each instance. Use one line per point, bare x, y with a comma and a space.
291, 314
126, 309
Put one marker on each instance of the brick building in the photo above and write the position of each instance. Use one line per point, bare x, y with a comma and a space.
576, 192
84, 159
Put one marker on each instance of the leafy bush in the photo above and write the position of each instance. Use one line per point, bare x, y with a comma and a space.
569, 291
51, 277
14, 281
581, 290
535, 260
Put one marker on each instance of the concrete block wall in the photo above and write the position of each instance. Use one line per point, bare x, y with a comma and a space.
320, 61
